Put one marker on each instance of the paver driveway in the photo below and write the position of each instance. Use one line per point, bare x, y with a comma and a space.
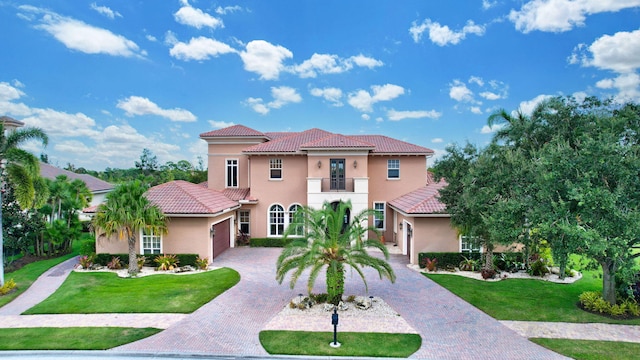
230, 324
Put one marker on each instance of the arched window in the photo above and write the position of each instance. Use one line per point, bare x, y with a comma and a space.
276, 220
298, 227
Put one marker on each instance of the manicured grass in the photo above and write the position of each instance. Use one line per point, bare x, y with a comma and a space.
105, 292
25, 276
591, 350
528, 300
78, 338
353, 344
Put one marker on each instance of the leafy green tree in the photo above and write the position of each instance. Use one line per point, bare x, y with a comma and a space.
20, 170
328, 242
148, 162
125, 213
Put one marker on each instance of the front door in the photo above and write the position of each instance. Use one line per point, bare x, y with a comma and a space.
408, 233
337, 174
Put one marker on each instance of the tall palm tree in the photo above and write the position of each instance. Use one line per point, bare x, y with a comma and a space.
20, 170
125, 213
328, 241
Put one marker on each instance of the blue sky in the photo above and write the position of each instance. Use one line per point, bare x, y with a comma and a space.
106, 79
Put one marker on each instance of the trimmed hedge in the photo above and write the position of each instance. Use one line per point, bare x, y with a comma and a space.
448, 259
183, 259
268, 242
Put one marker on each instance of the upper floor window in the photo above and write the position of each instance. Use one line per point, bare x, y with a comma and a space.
151, 243
275, 168
276, 220
337, 174
232, 173
378, 217
393, 169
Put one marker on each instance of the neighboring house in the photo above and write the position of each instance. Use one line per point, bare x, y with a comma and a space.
256, 182
99, 188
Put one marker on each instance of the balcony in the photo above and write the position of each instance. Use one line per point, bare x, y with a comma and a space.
337, 185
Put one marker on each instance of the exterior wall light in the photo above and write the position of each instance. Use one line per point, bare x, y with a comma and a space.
319, 164
355, 164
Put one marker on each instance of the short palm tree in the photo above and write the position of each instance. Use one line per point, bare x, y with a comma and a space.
20, 170
125, 213
327, 241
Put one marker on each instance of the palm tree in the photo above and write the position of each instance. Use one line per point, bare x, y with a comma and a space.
328, 241
125, 213
20, 170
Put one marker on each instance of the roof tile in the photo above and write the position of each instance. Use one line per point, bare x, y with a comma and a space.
235, 130
421, 201
183, 197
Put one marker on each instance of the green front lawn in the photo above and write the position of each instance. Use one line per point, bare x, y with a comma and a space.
105, 292
78, 338
352, 344
25, 276
528, 300
591, 350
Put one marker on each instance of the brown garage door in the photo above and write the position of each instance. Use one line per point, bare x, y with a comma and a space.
221, 239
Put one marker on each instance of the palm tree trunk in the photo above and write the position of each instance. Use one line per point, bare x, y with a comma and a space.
133, 264
335, 283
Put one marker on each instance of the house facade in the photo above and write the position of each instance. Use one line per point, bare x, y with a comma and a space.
257, 181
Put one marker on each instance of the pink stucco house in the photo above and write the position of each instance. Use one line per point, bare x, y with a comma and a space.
257, 180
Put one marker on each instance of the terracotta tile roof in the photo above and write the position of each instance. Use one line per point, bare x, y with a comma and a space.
93, 183
386, 145
290, 143
421, 201
183, 197
235, 130
337, 141
237, 194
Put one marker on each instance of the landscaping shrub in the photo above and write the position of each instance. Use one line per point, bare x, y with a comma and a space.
86, 261
115, 263
539, 268
202, 264
268, 242
453, 259
88, 247
593, 301
7, 287
429, 264
103, 259
166, 262
469, 264
187, 259
488, 273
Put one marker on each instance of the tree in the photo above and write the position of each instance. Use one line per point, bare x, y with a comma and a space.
148, 162
327, 241
125, 213
21, 171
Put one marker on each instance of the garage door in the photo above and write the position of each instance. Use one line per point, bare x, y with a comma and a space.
221, 241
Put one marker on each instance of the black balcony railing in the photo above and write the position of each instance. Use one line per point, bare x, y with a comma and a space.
337, 185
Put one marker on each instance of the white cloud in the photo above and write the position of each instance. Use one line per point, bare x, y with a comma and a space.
562, 15
265, 59
443, 35
282, 95
628, 86
486, 4
460, 92
437, 140
363, 100
476, 110
106, 11
476, 80
490, 95
394, 115
332, 64
527, 107
619, 52
365, 117
136, 105
227, 9
220, 124
170, 38
151, 38
9, 92
200, 48
491, 129
72, 146
77, 35
188, 15
330, 94
58, 123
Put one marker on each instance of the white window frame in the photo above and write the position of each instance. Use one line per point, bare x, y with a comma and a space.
393, 164
290, 218
147, 238
275, 164
381, 211
468, 241
244, 217
278, 214
231, 164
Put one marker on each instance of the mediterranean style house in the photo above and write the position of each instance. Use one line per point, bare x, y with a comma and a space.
257, 181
